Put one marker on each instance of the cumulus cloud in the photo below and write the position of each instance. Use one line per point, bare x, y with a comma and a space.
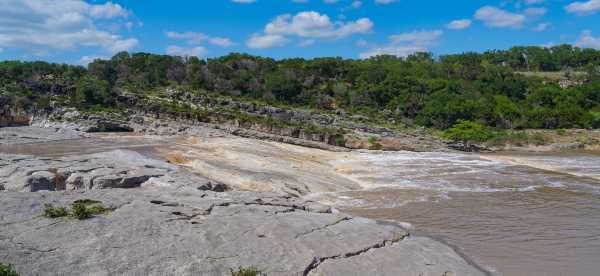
258, 41
314, 24
459, 24
586, 40
583, 8
405, 44
43, 25
186, 52
495, 17
307, 25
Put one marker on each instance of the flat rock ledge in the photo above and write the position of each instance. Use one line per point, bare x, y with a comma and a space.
167, 221
162, 231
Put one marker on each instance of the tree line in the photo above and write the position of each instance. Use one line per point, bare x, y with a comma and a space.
420, 89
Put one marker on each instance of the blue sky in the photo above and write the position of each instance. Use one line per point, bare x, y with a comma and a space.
76, 31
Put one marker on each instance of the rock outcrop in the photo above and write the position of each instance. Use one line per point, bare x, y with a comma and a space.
114, 169
26, 135
161, 219
158, 231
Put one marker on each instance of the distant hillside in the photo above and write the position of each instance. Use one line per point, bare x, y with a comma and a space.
418, 90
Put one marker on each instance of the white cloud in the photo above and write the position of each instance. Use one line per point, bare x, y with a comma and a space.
258, 41
586, 40
459, 24
186, 52
405, 44
535, 11
108, 10
313, 24
197, 38
495, 17
243, 1
532, 2
45, 25
190, 37
583, 8
221, 41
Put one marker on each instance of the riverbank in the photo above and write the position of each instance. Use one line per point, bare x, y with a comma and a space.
168, 209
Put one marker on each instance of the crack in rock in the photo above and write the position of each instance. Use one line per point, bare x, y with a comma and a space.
320, 260
324, 226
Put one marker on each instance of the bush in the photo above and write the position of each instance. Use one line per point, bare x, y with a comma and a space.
54, 212
250, 271
467, 132
86, 208
80, 209
7, 270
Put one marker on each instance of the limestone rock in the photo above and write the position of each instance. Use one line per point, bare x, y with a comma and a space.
162, 231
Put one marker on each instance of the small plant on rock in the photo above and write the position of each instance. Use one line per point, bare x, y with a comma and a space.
7, 270
54, 212
246, 271
80, 211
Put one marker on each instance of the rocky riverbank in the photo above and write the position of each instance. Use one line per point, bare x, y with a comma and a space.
167, 217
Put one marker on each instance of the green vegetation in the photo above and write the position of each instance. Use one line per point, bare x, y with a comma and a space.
80, 209
7, 270
467, 132
250, 271
511, 89
54, 212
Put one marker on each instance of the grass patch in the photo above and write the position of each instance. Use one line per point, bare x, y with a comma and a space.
54, 212
248, 271
7, 270
80, 209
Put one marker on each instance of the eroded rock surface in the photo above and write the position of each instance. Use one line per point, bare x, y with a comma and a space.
26, 135
158, 231
113, 169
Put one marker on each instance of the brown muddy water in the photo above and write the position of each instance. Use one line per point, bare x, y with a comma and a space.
516, 214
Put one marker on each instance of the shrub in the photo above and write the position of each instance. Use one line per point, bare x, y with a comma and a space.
249, 271
7, 270
467, 132
561, 132
54, 212
80, 211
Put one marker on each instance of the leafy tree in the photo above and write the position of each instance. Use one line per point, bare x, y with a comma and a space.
467, 132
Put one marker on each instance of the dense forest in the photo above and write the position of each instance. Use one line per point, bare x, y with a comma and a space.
420, 89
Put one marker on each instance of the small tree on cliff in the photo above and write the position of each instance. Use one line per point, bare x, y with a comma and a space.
467, 132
